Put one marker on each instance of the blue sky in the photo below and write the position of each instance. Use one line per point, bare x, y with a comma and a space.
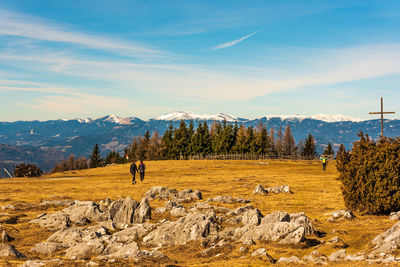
73, 59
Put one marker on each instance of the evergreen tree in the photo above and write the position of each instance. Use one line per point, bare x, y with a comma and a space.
309, 146
227, 138
240, 146
95, 158
216, 136
181, 141
113, 157
300, 147
263, 145
289, 146
167, 143
251, 142
329, 150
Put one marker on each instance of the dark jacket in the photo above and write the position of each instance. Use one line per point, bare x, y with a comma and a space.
142, 167
134, 168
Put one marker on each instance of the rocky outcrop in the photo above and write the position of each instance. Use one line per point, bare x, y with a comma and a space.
290, 260
395, 216
387, 241
161, 192
261, 252
47, 248
228, 199
7, 250
189, 228
259, 190
131, 211
6, 237
340, 215
337, 255
279, 189
54, 221
188, 194
84, 250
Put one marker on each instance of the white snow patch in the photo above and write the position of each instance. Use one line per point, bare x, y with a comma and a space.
181, 115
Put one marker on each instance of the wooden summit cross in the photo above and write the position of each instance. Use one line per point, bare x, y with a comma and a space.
382, 112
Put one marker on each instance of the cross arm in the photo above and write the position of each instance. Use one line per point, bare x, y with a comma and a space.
386, 112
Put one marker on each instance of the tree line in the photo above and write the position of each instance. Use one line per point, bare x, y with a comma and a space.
185, 141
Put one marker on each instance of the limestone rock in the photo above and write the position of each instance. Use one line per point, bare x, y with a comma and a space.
395, 216
118, 250
47, 248
126, 211
161, 210
69, 237
356, 257
189, 195
188, 228
8, 207
251, 217
6, 237
7, 250
39, 263
136, 231
228, 199
178, 212
84, 250
338, 255
161, 192
202, 205
143, 212
259, 190
239, 210
336, 242
261, 252
340, 215
316, 258
279, 189
387, 241
292, 259
88, 211
53, 221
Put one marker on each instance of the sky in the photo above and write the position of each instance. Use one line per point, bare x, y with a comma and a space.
77, 59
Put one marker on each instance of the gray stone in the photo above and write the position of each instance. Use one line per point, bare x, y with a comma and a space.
355, 258
178, 212
261, 252
47, 248
161, 210
239, 210
279, 189
395, 216
161, 192
292, 259
189, 228
336, 242
7, 250
337, 255
259, 190
53, 221
228, 199
6, 237
118, 250
340, 215
86, 211
251, 217
84, 250
126, 211
387, 241
143, 212
189, 195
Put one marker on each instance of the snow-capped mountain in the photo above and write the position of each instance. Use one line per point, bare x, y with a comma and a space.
181, 115
78, 136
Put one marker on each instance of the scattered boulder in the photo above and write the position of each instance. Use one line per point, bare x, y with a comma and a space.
337, 255
7, 250
188, 228
261, 252
189, 195
356, 257
161, 192
240, 210
6, 237
251, 217
387, 241
178, 212
228, 199
395, 216
292, 259
56, 203
118, 250
54, 221
8, 207
47, 248
340, 215
259, 190
84, 250
86, 211
132, 211
336, 242
39, 263
161, 210
316, 258
279, 189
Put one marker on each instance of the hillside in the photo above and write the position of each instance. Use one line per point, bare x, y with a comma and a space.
314, 192
79, 136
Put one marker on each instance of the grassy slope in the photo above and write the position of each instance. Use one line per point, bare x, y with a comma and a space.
315, 192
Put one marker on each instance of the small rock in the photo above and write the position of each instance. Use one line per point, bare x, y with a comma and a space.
292, 259
7, 250
261, 252
279, 189
259, 190
5, 237
338, 255
336, 242
243, 249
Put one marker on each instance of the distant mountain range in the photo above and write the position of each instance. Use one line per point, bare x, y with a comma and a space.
57, 139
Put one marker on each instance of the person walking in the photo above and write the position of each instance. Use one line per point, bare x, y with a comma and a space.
142, 168
324, 162
133, 170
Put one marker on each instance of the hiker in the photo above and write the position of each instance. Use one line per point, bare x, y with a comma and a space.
142, 168
324, 161
134, 170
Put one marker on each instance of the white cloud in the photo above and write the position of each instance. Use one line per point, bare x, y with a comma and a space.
232, 43
17, 24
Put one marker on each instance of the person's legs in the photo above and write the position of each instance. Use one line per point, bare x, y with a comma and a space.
324, 166
133, 179
141, 176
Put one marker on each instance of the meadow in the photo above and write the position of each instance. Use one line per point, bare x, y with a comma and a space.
315, 192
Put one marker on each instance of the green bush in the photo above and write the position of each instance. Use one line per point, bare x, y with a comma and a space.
370, 175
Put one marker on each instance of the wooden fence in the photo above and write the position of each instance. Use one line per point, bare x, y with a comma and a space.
253, 156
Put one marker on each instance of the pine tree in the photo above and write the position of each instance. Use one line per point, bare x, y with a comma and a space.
240, 146
95, 158
113, 157
289, 146
251, 142
167, 143
216, 136
181, 141
206, 140
263, 145
227, 138
309, 146
329, 150
271, 136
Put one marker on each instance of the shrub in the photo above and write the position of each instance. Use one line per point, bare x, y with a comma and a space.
370, 175
27, 170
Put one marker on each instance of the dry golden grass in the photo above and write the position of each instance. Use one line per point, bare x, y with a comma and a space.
315, 192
